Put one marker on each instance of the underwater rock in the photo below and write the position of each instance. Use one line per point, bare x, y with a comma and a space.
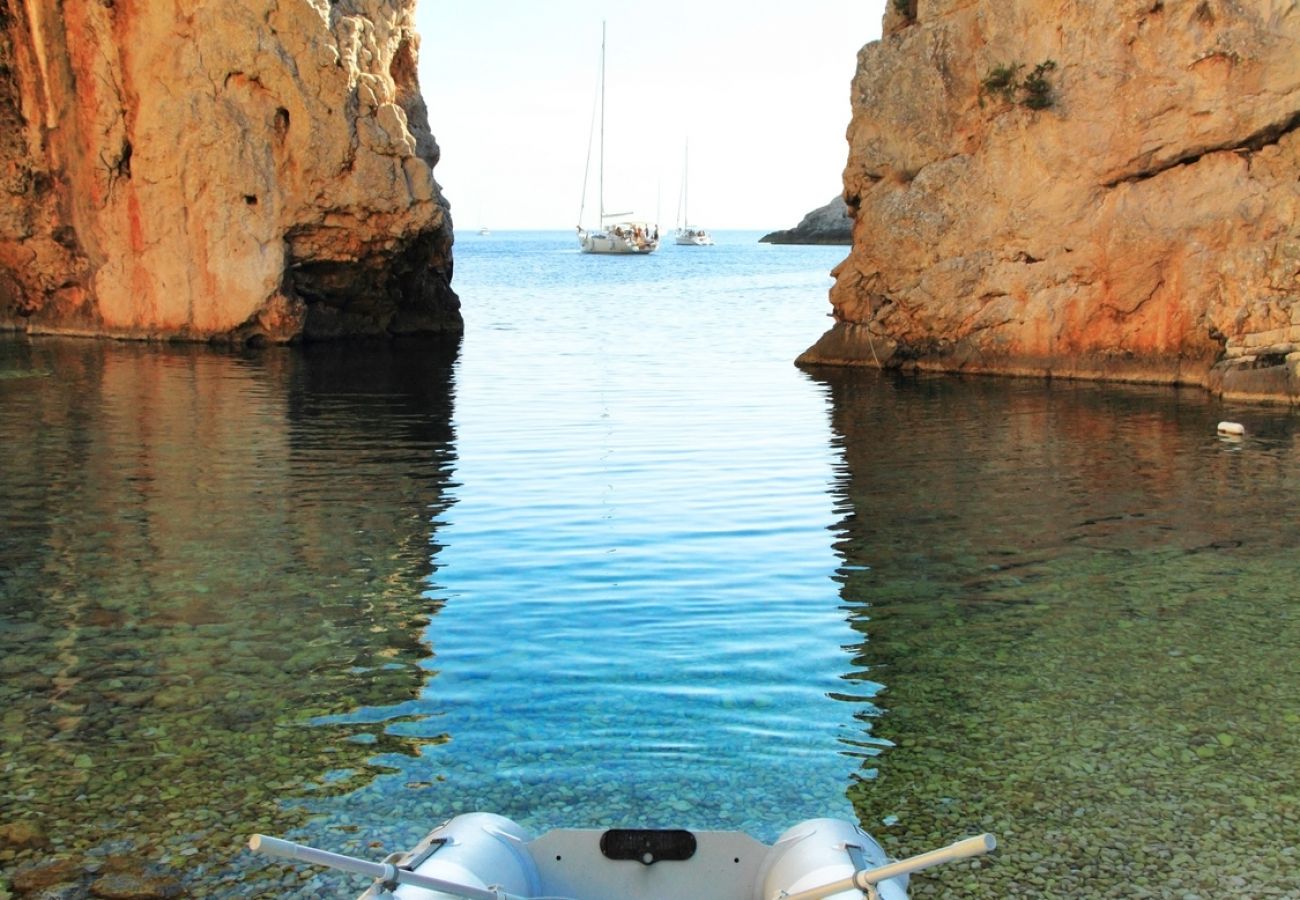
131, 886
22, 834
46, 876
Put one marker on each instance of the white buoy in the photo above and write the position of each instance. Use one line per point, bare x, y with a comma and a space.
1231, 429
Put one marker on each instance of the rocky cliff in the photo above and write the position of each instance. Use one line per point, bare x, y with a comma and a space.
829, 224
1043, 188
220, 169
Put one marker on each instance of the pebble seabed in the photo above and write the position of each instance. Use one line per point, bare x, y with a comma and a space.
1011, 710
1020, 711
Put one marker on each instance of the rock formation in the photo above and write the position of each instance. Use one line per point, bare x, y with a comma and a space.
218, 170
1040, 188
829, 224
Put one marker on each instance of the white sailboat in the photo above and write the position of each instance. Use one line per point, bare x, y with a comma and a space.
688, 235
621, 236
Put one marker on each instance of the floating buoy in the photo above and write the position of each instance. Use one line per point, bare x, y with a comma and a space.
1231, 429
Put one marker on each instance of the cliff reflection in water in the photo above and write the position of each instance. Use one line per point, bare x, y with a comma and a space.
1081, 602
199, 554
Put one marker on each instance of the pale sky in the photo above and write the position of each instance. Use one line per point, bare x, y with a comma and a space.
759, 89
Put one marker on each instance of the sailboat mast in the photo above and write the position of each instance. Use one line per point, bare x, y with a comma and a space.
686, 161
601, 224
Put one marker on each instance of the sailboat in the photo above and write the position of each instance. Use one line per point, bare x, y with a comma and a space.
688, 235
621, 235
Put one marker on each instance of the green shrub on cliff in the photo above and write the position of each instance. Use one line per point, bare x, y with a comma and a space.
1000, 82
1033, 91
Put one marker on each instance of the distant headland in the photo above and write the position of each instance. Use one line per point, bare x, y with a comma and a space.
829, 224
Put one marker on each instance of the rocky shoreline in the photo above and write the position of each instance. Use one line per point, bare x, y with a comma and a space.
1267, 375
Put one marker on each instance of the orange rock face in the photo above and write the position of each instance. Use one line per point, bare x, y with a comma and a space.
233, 170
1042, 189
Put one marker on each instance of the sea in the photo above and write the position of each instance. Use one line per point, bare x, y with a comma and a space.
611, 559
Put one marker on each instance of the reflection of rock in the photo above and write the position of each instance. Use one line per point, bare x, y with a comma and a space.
829, 224
994, 556
1141, 226
244, 170
242, 550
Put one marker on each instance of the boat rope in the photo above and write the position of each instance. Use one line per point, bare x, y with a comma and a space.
586, 169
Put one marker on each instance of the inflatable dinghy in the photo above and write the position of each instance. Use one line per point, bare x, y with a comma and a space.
482, 856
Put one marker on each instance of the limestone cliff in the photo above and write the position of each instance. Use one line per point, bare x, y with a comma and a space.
1045, 187
218, 169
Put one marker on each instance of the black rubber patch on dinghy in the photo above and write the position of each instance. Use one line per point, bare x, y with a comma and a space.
647, 845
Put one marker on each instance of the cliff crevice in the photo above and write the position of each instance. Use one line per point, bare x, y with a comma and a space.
1267, 135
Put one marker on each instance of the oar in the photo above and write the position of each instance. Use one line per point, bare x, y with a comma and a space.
385, 872
867, 879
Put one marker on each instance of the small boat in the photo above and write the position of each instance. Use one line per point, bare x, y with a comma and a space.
484, 231
620, 237
688, 235
696, 237
483, 856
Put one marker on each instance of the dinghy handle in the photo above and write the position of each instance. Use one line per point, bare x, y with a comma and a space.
867, 879
384, 872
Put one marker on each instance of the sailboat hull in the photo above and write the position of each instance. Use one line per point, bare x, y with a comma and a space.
616, 242
692, 237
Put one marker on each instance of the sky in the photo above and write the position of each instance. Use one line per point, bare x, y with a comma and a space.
749, 98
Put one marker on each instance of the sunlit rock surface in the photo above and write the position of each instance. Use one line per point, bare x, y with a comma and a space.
219, 169
1139, 224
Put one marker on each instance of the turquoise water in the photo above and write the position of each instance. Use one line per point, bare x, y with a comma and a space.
612, 559
610, 529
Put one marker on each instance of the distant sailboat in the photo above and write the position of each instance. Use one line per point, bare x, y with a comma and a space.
688, 235
621, 236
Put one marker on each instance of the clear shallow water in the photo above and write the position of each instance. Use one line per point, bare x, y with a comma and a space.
613, 559
1083, 604
610, 529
